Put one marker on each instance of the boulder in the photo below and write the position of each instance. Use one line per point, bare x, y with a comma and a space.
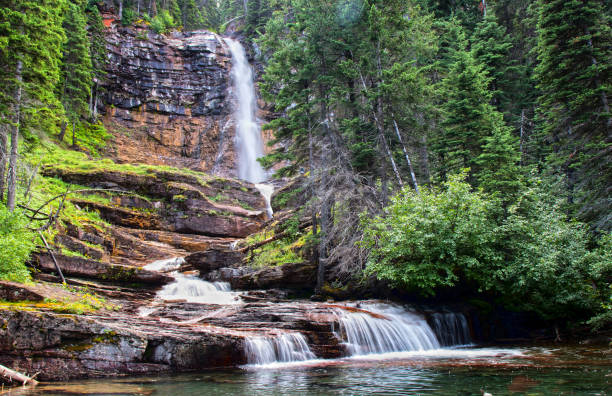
80, 267
214, 259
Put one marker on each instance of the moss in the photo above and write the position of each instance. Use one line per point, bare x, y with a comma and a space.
81, 304
120, 273
179, 198
78, 347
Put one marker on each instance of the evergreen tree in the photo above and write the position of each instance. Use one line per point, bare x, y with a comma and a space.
31, 35
574, 76
97, 51
77, 66
191, 17
491, 46
474, 134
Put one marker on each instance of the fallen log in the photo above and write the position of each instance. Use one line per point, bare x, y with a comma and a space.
17, 377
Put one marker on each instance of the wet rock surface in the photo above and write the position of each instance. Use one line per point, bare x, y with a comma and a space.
172, 336
167, 99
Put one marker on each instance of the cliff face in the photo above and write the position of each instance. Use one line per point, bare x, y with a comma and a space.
167, 100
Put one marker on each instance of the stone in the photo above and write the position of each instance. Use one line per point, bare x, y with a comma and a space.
81, 267
214, 259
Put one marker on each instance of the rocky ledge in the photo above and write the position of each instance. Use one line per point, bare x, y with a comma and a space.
159, 338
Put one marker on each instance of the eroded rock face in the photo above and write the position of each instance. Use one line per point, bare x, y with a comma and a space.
62, 347
167, 99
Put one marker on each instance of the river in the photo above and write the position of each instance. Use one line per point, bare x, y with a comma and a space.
550, 370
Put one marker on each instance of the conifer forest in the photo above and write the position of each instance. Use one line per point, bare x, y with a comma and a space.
306, 197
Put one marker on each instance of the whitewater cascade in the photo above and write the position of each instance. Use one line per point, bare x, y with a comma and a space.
451, 328
248, 133
384, 328
192, 288
284, 348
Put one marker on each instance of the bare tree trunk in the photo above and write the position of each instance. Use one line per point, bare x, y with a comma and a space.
74, 134
245, 4
138, 7
399, 136
3, 157
152, 8
120, 10
94, 111
12, 176
15, 376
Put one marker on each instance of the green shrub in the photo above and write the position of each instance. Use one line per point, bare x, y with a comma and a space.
16, 245
531, 256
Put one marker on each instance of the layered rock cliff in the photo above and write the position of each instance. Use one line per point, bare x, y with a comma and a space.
167, 99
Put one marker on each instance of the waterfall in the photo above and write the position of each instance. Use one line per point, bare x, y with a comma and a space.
451, 328
249, 143
384, 328
248, 134
284, 348
192, 288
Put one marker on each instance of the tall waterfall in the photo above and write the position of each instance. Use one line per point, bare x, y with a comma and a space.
248, 134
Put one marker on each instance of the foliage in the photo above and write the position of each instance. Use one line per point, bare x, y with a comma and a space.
16, 245
431, 239
574, 75
534, 259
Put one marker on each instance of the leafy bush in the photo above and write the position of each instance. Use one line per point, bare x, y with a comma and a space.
427, 240
16, 245
531, 256
162, 22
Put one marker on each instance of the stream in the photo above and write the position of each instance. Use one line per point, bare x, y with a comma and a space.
568, 370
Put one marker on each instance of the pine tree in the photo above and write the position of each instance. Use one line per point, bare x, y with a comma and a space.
491, 46
574, 76
474, 134
97, 51
31, 35
191, 16
77, 66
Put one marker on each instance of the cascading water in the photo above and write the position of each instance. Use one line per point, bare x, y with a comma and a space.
284, 348
451, 328
248, 132
384, 328
192, 288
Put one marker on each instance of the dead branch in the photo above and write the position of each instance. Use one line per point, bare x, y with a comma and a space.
17, 377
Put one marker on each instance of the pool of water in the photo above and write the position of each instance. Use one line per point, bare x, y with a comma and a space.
516, 371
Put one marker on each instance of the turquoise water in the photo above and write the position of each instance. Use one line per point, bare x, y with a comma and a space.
529, 371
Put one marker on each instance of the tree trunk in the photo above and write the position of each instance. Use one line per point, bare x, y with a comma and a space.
62, 133
326, 206
120, 10
12, 177
153, 8
3, 157
17, 377
399, 136
74, 134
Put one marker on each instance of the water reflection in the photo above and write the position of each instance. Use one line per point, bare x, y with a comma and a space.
533, 372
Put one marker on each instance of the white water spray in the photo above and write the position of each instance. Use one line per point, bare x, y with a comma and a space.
191, 288
248, 133
384, 328
285, 348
